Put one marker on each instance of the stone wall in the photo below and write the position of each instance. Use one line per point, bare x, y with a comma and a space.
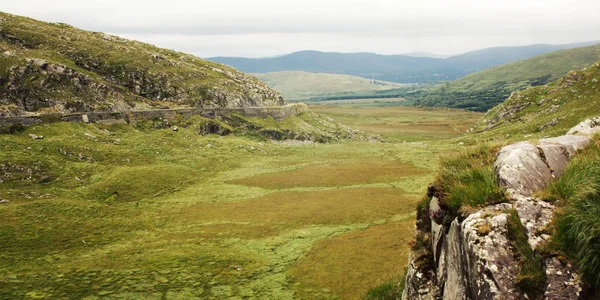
278, 113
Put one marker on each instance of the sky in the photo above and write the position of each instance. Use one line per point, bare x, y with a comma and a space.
263, 28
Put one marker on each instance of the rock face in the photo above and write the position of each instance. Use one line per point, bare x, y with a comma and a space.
474, 258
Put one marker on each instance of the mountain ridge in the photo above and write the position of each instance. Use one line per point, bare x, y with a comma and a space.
400, 68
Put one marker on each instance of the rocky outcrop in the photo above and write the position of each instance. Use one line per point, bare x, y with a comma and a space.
474, 258
54, 68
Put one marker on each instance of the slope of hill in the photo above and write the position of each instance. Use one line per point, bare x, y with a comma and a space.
485, 89
48, 67
395, 68
298, 85
546, 110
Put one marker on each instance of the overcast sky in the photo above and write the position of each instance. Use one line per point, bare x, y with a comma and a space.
258, 28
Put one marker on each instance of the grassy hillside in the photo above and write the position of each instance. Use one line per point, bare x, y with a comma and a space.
547, 110
486, 89
297, 85
55, 67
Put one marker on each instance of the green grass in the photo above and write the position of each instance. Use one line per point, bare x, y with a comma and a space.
108, 73
469, 180
139, 212
297, 85
531, 278
576, 228
485, 89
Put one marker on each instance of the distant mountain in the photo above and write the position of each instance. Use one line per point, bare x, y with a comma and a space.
485, 89
394, 68
489, 57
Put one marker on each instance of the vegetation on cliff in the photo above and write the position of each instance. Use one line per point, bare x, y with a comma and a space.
54, 67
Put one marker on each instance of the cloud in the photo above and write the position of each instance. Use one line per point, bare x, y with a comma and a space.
268, 27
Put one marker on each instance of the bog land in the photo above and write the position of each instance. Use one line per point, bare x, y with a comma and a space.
130, 212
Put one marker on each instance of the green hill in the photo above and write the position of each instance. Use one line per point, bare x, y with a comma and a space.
547, 110
485, 89
49, 67
298, 85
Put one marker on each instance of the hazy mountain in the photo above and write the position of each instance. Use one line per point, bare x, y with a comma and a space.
394, 68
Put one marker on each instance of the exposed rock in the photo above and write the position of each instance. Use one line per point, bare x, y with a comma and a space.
534, 215
437, 230
572, 143
521, 170
4, 201
588, 127
555, 156
562, 282
476, 259
455, 287
35, 137
175, 128
491, 267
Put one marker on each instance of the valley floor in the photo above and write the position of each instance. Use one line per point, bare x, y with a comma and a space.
117, 212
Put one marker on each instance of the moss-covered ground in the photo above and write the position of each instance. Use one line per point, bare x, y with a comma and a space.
135, 212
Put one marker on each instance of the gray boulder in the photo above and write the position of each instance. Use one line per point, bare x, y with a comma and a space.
521, 169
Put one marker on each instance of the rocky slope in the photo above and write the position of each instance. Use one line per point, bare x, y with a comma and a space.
548, 109
54, 67
477, 255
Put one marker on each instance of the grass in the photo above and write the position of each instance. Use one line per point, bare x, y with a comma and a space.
401, 124
469, 180
136, 212
485, 89
297, 85
531, 278
112, 74
576, 228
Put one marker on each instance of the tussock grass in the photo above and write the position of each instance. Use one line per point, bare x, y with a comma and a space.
468, 179
577, 226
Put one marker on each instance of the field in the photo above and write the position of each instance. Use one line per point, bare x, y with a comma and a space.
124, 212
297, 85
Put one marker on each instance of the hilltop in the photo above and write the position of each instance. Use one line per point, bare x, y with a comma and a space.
54, 67
394, 68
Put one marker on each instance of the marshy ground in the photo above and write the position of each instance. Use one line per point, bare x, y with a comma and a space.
123, 213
